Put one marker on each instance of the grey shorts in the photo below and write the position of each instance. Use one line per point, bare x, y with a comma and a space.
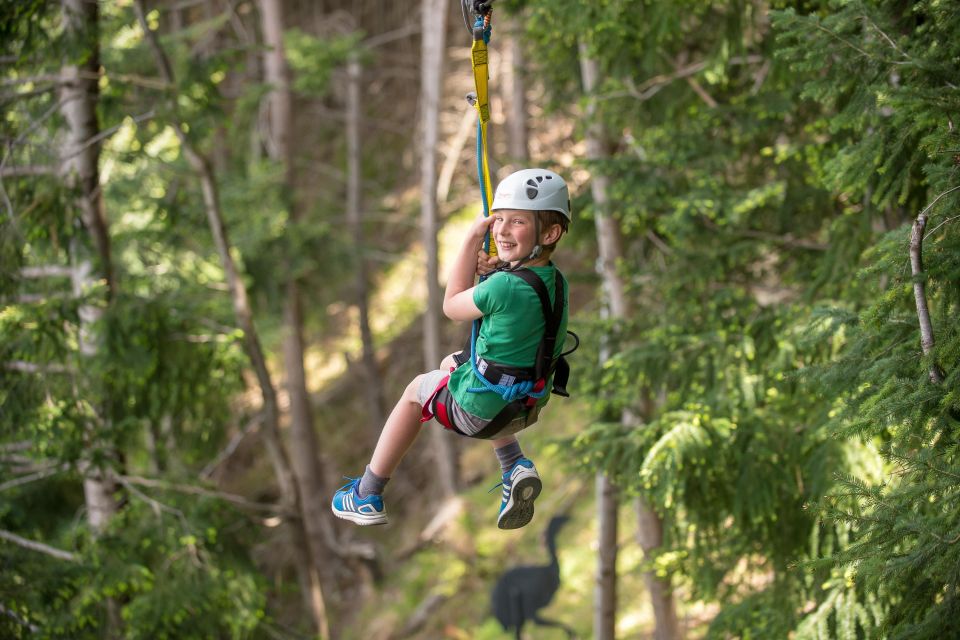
468, 423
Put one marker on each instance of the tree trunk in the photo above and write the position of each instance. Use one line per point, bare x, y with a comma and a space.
80, 171
611, 253
374, 386
517, 144
289, 494
650, 537
79, 168
303, 442
605, 590
434, 24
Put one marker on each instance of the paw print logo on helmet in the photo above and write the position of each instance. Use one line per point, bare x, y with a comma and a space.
533, 190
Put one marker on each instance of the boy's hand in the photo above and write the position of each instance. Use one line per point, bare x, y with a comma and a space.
480, 226
486, 263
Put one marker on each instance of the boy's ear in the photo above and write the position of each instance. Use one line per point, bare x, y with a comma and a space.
551, 234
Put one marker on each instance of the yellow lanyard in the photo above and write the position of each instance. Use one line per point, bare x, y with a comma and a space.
481, 77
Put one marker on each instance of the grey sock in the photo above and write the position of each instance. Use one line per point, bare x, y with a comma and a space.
508, 455
371, 483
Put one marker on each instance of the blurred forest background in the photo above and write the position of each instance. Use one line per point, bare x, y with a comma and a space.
224, 230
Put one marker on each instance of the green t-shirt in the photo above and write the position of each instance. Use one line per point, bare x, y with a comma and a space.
510, 334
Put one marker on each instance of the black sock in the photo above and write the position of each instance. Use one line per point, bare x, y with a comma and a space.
371, 483
508, 455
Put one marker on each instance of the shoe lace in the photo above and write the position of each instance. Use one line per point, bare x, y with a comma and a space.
349, 484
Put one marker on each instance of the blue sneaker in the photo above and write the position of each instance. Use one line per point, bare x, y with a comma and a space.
348, 505
521, 486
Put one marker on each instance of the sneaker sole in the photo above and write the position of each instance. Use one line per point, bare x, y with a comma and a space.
359, 518
519, 511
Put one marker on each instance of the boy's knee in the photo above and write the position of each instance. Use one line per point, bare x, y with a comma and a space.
411, 393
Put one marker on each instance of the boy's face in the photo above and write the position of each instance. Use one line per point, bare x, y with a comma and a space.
515, 233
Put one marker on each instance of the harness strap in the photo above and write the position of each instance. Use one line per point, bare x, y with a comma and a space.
479, 56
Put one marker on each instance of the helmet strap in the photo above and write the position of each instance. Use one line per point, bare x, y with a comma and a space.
537, 250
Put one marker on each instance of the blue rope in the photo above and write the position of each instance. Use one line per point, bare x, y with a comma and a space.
509, 393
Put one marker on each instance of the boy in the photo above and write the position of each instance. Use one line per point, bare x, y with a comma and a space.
530, 212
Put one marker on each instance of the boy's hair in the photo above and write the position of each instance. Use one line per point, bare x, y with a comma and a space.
547, 220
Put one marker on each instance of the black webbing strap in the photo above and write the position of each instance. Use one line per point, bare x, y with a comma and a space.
544, 363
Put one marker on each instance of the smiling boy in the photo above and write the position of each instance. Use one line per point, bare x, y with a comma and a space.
494, 393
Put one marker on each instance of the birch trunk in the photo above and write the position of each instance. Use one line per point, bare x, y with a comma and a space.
289, 494
80, 172
307, 471
434, 24
611, 253
374, 385
79, 168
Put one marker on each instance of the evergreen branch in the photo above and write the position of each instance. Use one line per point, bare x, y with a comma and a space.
48, 271
23, 622
156, 505
231, 447
929, 233
652, 86
786, 240
696, 86
850, 44
38, 546
905, 460
25, 171
38, 475
200, 491
887, 38
106, 133
33, 367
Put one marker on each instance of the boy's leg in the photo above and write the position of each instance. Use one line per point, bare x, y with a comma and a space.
508, 452
359, 501
521, 484
399, 432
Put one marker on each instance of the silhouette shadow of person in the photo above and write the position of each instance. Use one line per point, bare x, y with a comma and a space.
521, 592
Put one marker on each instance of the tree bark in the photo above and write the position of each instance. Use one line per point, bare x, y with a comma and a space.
79, 92
611, 253
374, 385
78, 99
605, 589
650, 538
434, 24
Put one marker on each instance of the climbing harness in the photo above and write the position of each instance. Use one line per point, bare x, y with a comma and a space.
520, 387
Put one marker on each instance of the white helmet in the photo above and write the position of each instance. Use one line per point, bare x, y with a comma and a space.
533, 190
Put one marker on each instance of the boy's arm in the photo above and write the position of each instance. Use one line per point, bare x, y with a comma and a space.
458, 301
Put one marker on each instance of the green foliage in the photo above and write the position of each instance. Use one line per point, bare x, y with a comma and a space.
175, 569
775, 345
314, 59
